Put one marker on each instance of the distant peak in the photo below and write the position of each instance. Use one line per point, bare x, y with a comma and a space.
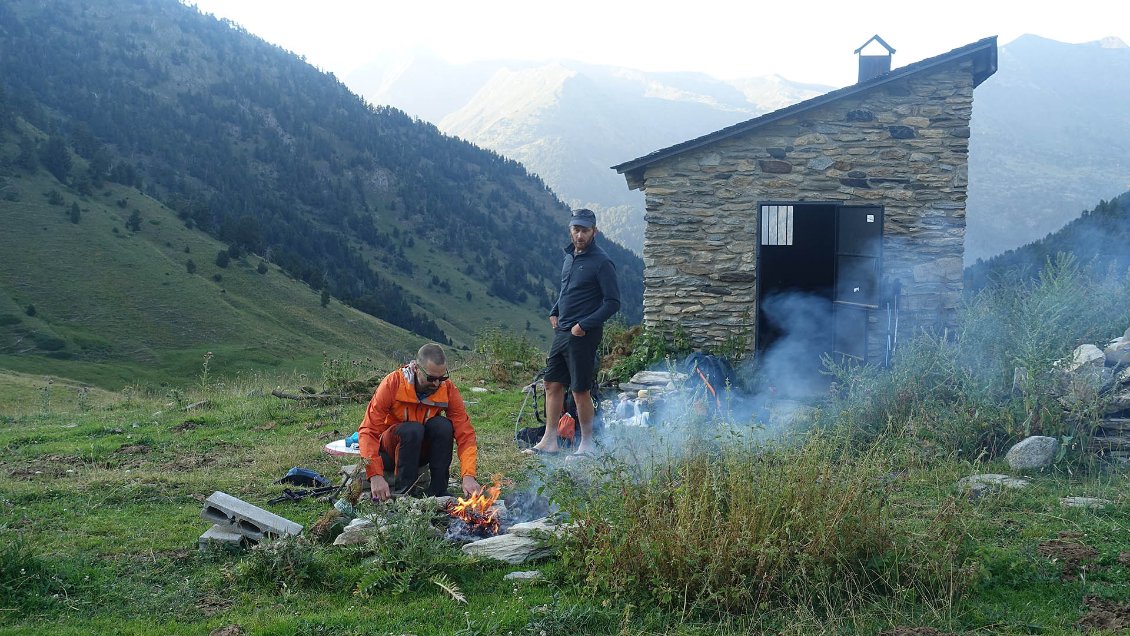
1112, 43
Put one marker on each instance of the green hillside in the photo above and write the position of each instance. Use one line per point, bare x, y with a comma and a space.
112, 305
1098, 239
213, 140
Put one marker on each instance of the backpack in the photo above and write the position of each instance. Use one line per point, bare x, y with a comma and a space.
711, 374
568, 431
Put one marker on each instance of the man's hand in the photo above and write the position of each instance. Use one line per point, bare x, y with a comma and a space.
470, 486
577, 331
553, 321
379, 488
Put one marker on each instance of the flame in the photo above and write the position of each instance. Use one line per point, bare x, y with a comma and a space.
477, 512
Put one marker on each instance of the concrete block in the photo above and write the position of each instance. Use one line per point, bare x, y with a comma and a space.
236, 515
221, 534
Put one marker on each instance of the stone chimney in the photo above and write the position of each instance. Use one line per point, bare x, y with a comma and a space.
872, 66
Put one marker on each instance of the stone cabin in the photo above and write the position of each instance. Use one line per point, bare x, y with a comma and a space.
833, 225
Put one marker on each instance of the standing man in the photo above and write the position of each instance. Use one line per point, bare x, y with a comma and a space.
589, 296
404, 428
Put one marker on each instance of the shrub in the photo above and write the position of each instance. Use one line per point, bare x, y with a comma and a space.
737, 528
647, 349
285, 562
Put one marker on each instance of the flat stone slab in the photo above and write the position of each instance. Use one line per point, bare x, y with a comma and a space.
990, 479
236, 515
509, 548
525, 575
656, 378
220, 534
536, 528
1085, 502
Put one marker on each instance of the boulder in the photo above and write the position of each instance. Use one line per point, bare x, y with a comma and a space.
1036, 451
1085, 355
1118, 351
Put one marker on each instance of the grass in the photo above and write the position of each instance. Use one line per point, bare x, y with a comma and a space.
854, 525
100, 511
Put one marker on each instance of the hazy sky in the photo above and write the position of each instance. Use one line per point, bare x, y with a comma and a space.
802, 41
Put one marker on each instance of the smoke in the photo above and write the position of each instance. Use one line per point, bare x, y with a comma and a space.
790, 365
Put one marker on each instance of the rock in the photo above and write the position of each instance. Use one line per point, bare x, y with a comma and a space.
1085, 355
479, 389
357, 532
536, 528
992, 480
655, 378
1118, 351
509, 548
1084, 502
526, 575
977, 490
227, 630
1036, 451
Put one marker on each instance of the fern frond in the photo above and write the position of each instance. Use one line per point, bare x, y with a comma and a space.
447, 585
376, 580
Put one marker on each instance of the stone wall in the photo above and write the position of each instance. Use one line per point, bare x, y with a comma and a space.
902, 145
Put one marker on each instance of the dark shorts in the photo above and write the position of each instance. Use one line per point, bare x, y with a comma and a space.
572, 360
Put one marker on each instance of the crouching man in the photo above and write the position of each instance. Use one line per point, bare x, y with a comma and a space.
411, 421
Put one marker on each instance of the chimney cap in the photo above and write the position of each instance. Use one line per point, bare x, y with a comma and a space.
876, 38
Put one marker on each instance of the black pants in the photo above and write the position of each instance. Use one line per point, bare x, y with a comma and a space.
417, 445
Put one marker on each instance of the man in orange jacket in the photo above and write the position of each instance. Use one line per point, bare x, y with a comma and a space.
404, 428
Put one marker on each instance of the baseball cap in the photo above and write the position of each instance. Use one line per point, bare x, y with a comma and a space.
583, 217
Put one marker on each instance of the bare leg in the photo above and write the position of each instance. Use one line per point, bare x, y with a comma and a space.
585, 413
554, 402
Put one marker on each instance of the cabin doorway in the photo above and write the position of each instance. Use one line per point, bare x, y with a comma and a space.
818, 280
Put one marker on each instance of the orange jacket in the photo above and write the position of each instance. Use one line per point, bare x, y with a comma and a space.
395, 401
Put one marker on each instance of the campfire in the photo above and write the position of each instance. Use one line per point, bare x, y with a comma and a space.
475, 516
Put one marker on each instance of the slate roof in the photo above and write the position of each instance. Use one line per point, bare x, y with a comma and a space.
983, 53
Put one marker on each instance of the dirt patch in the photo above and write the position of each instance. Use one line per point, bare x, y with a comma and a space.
48, 466
132, 449
915, 631
331, 435
1066, 550
1103, 614
1124, 558
267, 426
210, 605
187, 425
227, 630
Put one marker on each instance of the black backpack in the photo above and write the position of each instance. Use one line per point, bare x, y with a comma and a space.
710, 374
531, 435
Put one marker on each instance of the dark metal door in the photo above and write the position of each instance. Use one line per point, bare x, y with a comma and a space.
859, 247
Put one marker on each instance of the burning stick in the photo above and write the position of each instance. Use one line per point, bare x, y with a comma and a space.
477, 511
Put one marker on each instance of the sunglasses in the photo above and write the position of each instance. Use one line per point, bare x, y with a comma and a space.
432, 378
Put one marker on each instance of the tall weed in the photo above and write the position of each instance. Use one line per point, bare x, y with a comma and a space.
741, 528
994, 381
508, 356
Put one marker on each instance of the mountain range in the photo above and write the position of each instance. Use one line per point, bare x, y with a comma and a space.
156, 158
1048, 136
